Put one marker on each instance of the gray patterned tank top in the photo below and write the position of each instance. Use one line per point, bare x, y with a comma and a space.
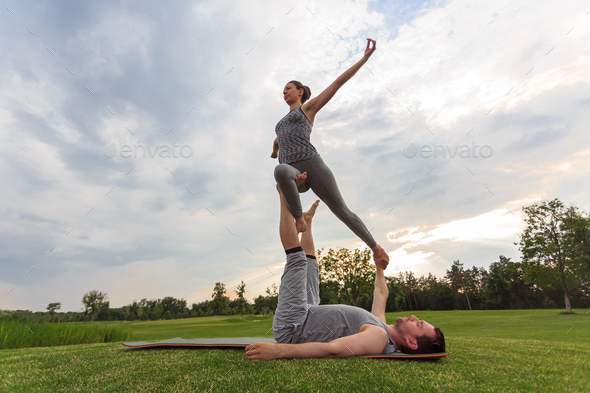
293, 132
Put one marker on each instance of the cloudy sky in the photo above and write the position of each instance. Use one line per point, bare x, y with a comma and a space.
462, 116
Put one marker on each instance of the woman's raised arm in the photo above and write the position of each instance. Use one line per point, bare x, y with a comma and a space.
315, 104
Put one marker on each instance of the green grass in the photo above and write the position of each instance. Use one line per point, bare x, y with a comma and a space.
522, 350
38, 334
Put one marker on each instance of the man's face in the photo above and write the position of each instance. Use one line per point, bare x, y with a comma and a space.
413, 327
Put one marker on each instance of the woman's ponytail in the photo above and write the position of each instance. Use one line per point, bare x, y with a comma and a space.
306, 91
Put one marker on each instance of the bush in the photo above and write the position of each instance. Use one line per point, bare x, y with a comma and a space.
549, 303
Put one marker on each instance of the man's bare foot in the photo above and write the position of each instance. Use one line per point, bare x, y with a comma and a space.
308, 215
262, 351
300, 178
300, 224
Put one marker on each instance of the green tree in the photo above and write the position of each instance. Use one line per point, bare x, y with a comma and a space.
175, 306
549, 246
220, 301
259, 303
52, 307
506, 288
241, 299
272, 297
436, 294
576, 225
456, 278
93, 302
351, 269
411, 284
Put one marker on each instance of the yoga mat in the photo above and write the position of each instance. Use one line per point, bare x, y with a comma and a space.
243, 342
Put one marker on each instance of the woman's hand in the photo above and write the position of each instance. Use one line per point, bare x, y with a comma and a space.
275, 148
369, 51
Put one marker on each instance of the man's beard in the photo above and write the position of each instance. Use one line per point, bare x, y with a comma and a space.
399, 322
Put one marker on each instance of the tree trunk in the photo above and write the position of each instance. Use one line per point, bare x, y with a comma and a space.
409, 300
566, 294
464, 290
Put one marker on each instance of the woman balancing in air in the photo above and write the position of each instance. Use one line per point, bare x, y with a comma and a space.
300, 161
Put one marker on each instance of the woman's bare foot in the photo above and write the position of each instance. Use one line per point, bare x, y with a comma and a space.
380, 256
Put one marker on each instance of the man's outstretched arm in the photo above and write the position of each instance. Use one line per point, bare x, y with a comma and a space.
380, 294
370, 341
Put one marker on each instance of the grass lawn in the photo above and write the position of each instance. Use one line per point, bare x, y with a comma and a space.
499, 351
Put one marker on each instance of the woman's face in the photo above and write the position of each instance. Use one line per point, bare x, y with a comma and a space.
291, 94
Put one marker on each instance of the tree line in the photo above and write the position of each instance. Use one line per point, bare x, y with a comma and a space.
554, 273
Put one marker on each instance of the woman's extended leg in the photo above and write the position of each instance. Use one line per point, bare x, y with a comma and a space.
322, 182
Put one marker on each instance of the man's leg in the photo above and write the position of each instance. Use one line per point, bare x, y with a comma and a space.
291, 309
313, 280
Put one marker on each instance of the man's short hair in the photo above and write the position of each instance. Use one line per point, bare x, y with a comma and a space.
428, 344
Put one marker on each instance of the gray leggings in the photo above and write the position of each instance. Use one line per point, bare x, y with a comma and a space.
321, 180
300, 289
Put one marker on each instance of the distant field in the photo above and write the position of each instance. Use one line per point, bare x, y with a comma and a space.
500, 351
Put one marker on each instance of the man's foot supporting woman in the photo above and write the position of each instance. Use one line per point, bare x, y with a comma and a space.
300, 222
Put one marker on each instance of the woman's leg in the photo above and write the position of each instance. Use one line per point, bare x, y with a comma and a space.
291, 182
285, 176
321, 180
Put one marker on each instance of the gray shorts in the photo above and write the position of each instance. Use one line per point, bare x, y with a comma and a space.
299, 290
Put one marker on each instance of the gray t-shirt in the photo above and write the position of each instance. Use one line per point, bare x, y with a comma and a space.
293, 132
325, 323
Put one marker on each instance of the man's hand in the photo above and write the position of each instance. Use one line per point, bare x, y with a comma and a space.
380, 257
381, 264
262, 351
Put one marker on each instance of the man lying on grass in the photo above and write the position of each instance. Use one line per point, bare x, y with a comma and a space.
304, 329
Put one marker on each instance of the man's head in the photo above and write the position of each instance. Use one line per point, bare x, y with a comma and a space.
413, 335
